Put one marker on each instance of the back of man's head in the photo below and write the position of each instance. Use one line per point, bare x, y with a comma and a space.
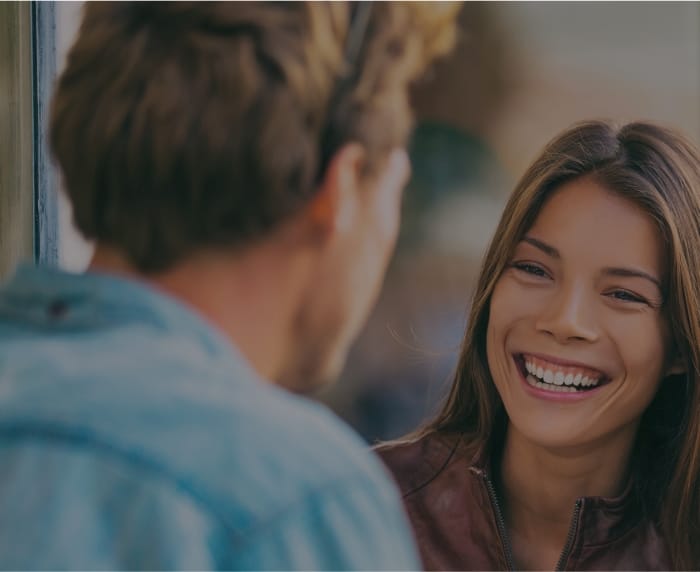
194, 136
188, 125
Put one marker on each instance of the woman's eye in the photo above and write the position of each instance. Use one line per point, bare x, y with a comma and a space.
627, 296
530, 268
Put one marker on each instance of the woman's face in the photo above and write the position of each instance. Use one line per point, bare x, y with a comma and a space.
577, 342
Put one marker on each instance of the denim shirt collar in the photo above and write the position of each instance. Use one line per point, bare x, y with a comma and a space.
51, 298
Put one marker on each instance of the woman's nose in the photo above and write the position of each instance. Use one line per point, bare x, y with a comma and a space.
569, 316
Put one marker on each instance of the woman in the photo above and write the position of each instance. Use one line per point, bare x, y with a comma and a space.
570, 437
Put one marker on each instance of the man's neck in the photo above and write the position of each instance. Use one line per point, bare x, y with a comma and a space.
250, 297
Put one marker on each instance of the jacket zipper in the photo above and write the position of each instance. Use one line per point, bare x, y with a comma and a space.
504, 533
500, 522
570, 538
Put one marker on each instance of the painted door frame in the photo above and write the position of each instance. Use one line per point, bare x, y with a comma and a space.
28, 199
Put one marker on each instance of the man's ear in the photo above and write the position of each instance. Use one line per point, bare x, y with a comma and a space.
333, 208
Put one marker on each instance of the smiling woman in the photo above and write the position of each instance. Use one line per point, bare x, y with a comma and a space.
571, 436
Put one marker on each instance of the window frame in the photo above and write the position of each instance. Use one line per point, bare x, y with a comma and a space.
28, 189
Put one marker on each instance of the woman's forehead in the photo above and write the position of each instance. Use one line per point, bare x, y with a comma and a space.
584, 219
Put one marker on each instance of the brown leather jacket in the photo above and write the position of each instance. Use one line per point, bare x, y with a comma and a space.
453, 506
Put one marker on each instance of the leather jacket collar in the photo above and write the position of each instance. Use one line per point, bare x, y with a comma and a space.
452, 502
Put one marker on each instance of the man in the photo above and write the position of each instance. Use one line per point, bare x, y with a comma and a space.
239, 167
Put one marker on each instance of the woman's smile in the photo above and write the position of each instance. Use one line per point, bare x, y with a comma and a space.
553, 378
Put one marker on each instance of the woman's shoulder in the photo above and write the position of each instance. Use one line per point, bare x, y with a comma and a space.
416, 461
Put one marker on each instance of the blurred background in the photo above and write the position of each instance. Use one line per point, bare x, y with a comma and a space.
521, 73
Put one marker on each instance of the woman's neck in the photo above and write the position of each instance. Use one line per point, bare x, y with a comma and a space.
539, 487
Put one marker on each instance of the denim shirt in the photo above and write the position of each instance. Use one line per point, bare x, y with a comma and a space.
134, 436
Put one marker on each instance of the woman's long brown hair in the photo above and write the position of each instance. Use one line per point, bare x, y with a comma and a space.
658, 170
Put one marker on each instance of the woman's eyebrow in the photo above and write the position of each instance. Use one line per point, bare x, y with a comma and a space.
632, 273
543, 246
611, 271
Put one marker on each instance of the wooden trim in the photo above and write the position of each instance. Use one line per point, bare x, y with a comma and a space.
16, 142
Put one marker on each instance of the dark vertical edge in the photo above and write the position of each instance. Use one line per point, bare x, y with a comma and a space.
43, 18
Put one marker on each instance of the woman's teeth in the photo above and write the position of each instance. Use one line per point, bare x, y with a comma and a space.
557, 378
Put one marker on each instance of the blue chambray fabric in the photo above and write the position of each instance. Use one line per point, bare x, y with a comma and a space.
134, 436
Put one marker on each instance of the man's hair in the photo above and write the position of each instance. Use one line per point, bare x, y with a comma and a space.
181, 126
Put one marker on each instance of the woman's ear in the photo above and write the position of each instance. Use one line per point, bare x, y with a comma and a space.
676, 366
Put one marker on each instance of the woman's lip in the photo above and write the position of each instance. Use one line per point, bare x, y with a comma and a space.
562, 362
561, 397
